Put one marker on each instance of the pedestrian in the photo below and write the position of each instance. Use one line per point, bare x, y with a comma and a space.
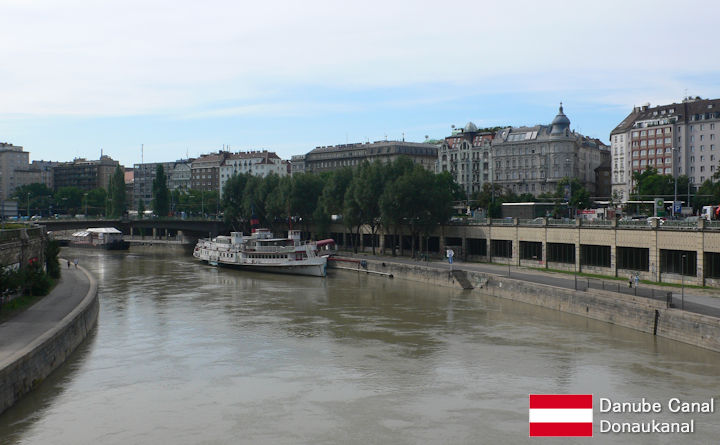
76, 262
68, 264
630, 281
637, 279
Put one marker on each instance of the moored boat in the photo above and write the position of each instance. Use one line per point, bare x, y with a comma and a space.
108, 238
261, 251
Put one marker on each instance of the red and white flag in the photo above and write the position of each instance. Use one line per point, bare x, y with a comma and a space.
561, 415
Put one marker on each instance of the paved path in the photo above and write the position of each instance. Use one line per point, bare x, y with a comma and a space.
696, 300
20, 330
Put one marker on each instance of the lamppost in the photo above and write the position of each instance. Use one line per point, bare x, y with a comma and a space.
569, 194
682, 277
674, 167
28, 204
86, 200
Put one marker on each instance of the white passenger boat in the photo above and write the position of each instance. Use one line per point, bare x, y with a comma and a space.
260, 251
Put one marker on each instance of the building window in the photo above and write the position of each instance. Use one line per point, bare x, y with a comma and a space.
594, 255
530, 250
561, 253
633, 258
678, 262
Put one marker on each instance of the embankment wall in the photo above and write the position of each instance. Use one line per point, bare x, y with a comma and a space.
25, 369
642, 314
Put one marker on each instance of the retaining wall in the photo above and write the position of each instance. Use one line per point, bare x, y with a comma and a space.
25, 369
642, 314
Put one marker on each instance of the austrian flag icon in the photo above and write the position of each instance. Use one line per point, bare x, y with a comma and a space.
559, 415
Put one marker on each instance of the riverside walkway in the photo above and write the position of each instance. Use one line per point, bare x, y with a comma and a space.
701, 301
36, 341
20, 331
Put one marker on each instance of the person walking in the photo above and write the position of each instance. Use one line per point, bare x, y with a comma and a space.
630, 281
76, 262
68, 264
637, 279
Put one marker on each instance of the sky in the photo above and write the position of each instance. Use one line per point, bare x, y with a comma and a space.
183, 78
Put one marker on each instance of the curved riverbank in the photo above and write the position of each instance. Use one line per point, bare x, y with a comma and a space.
36, 342
642, 314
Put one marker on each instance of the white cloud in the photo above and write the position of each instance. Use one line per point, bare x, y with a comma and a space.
136, 57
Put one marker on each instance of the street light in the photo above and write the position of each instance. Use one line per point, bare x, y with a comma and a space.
674, 167
28, 205
86, 200
682, 278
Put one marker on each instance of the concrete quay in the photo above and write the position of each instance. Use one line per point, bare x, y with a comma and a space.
700, 328
37, 341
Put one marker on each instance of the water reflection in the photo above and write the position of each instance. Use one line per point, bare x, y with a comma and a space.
186, 353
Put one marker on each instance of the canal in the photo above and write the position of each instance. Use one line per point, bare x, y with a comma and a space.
186, 354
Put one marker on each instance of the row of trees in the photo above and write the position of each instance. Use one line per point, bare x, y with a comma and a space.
570, 190
373, 194
39, 199
650, 184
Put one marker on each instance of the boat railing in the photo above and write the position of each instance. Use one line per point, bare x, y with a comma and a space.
279, 249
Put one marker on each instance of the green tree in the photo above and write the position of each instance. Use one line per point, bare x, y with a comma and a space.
96, 201
52, 264
579, 196
303, 197
38, 196
160, 193
352, 215
69, 199
141, 208
232, 201
116, 194
368, 184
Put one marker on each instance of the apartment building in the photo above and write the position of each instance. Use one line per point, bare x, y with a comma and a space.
676, 139
257, 163
84, 174
535, 159
330, 158
467, 155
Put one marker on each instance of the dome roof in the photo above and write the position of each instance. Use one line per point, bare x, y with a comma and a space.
560, 124
470, 127
561, 119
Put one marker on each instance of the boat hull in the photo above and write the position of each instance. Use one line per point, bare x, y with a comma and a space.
313, 270
116, 245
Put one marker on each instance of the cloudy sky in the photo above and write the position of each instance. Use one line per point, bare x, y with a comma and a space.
187, 77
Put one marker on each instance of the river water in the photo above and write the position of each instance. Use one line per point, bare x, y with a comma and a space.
189, 354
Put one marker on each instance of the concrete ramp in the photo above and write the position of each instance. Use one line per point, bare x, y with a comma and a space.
462, 279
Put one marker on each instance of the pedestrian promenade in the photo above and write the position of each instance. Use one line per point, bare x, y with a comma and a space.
701, 301
20, 331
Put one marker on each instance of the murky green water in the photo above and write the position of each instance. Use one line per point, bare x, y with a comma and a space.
187, 354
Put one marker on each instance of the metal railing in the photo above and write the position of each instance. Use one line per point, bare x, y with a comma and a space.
623, 288
683, 225
560, 222
596, 223
712, 225
531, 222
635, 224
502, 222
